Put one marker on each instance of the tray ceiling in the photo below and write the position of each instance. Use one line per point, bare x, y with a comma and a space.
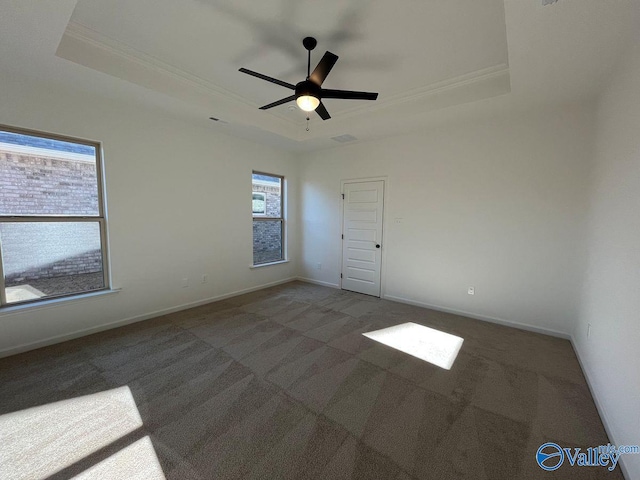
420, 56
435, 62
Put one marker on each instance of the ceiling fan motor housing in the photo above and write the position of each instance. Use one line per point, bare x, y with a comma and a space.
307, 87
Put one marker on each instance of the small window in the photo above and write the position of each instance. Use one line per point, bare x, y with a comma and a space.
259, 203
268, 218
52, 225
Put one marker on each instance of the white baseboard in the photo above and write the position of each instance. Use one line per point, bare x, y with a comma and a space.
318, 282
499, 321
600, 408
138, 318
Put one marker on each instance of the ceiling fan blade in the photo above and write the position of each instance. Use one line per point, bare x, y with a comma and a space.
279, 102
268, 79
323, 68
322, 111
348, 95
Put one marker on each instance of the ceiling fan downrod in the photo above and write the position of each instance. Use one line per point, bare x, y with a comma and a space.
309, 43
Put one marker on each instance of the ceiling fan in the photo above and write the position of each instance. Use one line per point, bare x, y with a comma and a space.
309, 93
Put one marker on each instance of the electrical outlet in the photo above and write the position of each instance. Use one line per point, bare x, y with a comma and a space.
471, 290
205, 278
185, 282
318, 266
588, 330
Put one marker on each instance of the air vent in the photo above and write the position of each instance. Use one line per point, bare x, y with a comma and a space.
548, 2
344, 138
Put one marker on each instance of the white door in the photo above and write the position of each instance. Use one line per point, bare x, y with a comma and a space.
362, 237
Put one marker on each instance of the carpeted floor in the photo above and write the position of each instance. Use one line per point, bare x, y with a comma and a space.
281, 384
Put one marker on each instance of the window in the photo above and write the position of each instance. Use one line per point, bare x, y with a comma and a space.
52, 225
268, 218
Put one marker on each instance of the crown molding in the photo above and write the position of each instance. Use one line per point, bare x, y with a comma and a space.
81, 33
483, 83
426, 92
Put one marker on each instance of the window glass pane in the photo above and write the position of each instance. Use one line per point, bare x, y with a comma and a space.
267, 241
41, 176
42, 259
271, 188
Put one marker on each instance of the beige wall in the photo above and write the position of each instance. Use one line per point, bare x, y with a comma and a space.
498, 205
611, 294
179, 205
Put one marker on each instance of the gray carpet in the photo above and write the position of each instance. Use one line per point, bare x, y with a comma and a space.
281, 384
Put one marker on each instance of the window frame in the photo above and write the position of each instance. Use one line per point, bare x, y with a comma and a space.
101, 219
265, 217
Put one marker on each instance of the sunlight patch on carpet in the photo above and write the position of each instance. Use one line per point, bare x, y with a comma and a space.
38, 442
428, 344
137, 461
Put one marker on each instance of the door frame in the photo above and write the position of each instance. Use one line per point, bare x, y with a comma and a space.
383, 256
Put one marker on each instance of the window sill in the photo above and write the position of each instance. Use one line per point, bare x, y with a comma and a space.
268, 264
52, 302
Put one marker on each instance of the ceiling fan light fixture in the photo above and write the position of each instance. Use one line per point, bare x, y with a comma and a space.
307, 96
308, 103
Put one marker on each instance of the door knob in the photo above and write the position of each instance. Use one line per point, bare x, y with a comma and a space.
377, 245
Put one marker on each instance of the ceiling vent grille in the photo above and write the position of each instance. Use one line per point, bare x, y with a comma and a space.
344, 138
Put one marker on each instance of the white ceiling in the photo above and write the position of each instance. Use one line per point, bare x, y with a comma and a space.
430, 61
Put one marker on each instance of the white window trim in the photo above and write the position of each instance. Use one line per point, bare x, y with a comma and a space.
260, 265
52, 302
